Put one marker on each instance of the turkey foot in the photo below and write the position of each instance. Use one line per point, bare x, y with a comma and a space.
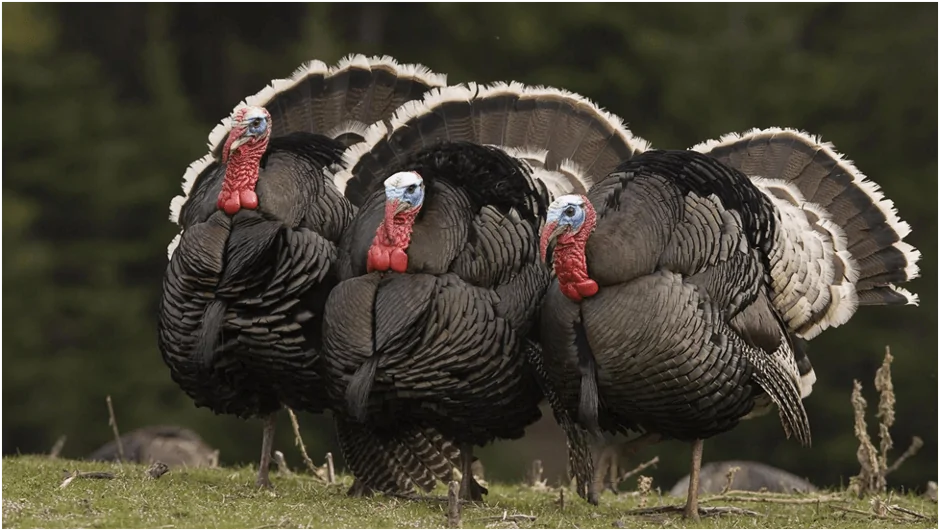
470, 489
267, 441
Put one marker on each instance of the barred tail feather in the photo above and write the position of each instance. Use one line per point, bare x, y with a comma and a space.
340, 101
567, 140
396, 464
866, 248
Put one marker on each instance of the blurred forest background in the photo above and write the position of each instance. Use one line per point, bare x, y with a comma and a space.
106, 105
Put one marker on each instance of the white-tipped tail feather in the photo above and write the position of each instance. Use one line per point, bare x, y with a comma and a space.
840, 239
568, 141
402, 72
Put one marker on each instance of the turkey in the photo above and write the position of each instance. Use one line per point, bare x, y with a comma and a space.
440, 272
243, 294
687, 282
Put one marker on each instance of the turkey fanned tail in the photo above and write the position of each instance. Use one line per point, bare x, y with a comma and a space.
396, 463
839, 241
566, 140
339, 102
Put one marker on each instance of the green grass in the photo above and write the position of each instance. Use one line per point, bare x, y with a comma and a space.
32, 497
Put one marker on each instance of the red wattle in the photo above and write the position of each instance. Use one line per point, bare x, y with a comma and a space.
248, 199
587, 288
377, 259
231, 205
398, 261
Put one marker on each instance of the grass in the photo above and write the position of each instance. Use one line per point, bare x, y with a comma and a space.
227, 498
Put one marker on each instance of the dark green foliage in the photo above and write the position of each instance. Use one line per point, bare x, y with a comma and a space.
106, 105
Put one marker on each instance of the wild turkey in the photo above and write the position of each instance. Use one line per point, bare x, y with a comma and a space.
440, 274
687, 281
172, 445
240, 317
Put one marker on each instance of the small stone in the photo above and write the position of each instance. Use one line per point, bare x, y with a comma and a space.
932, 493
156, 470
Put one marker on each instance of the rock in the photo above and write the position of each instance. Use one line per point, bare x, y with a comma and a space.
171, 445
752, 476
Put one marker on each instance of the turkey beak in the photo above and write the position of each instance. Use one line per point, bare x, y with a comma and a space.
239, 142
400, 206
550, 241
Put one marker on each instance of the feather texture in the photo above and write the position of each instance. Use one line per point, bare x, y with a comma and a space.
840, 237
240, 317
567, 141
340, 102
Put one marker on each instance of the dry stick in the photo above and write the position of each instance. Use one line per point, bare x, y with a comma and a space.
331, 475
705, 511
57, 447
561, 498
454, 505
640, 468
913, 448
282, 463
869, 513
763, 499
114, 427
906, 511
85, 475
730, 477
300, 444
535, 477
507, 517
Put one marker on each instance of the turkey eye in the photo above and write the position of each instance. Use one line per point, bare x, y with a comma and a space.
569, 211
256, 122
410, 189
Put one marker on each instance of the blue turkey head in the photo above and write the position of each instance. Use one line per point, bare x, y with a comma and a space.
405, 191
566, 219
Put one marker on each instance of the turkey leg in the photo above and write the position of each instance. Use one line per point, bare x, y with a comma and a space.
470, 490
692, 496
267, 441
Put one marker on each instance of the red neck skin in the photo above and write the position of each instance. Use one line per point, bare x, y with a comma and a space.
392, 238
241, 175
568, 258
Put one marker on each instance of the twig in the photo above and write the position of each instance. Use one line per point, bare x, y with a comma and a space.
86, 475
643, 489
705, 511
903, 510
113, 422
640, 468
282, 463
535, 474
768, 499
867, 513
454, 505
729, 478
57, 447
507, 517
331, 475
913, 448
299, 441
561, 498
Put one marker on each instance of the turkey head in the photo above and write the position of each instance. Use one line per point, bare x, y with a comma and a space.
569, 223
405, 193
244, 147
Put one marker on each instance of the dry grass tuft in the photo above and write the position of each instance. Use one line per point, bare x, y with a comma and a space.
874, 464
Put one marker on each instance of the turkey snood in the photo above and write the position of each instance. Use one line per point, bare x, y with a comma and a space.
241, 172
